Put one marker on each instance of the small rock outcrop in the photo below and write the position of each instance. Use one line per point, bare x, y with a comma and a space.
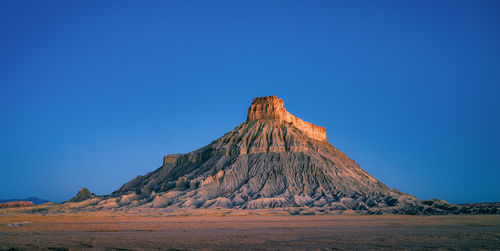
17, 204
83, 194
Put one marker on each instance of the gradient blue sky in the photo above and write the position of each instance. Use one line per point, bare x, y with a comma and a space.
94, 93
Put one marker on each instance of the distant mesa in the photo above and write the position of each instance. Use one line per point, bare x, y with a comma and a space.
16, 204
83, 194
35, 200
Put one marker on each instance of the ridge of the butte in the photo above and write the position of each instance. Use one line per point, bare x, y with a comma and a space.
271, 108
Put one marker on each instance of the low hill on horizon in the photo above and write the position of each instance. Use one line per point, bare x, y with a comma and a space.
35, 200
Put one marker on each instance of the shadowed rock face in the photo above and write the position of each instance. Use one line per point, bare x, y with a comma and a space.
274, 159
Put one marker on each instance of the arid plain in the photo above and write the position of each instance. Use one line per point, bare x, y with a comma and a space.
244, 229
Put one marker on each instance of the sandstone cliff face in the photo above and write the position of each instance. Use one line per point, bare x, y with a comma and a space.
271, 108
17, 204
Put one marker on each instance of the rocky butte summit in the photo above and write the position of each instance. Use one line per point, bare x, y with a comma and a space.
272, 160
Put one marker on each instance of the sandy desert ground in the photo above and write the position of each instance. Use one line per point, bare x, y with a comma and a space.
249, 230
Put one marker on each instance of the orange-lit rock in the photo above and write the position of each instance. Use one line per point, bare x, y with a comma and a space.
271, 108
17, 204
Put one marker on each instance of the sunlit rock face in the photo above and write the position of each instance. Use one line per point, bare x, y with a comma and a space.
273, 159
271, 108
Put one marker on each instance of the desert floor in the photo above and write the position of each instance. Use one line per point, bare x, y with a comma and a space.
224, 230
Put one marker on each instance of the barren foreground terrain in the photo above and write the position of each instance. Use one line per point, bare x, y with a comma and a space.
246, 230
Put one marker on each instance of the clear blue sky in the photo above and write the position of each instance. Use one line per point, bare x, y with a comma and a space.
94, 93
